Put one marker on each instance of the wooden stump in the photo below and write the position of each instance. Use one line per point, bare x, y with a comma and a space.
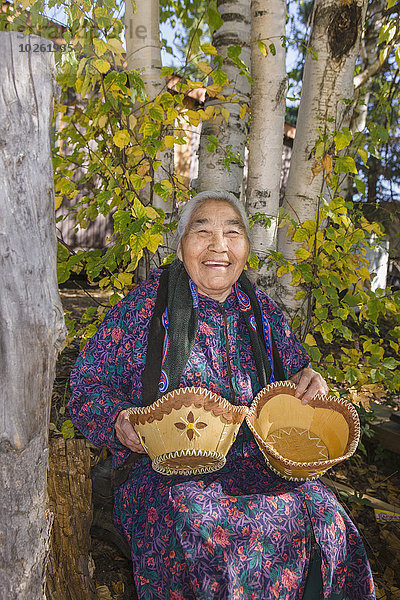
70, 501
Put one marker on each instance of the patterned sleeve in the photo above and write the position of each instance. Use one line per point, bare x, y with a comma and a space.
294, 357
107, 375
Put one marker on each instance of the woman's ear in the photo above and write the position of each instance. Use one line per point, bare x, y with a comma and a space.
179, 252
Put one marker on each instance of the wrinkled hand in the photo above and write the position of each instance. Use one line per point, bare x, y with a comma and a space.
127, 434
309, 383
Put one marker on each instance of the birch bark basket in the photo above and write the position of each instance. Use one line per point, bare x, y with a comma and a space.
31, 318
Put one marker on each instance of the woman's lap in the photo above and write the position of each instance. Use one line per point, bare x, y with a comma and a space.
241, 533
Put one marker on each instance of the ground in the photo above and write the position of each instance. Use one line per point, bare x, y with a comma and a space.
375, 472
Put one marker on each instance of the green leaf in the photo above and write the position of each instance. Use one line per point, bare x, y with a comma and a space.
342, 140
219, 77
352, 300
345, 164
156, 113
364, 155
209, 49
390, 363
352, 375
212, 143
214, 18
253, 261
360, 185
67, 430
262, 47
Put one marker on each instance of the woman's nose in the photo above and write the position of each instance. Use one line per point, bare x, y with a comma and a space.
218, 241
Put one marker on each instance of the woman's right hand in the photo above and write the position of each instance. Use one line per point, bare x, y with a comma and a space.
126, 433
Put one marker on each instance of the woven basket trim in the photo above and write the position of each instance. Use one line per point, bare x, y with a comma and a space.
199, 397
220, 461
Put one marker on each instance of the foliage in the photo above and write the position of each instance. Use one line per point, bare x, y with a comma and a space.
109, 137
350, 332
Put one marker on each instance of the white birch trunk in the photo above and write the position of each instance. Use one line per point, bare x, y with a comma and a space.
31, 323
143, 51
267, 125
213, 174
335, 36
369, 62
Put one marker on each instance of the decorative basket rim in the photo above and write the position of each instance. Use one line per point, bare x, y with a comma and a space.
144, 410
325, 399
220, 462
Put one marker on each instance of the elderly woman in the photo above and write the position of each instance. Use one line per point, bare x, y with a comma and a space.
241, 532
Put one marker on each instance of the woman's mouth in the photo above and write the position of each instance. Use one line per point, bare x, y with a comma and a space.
216, 264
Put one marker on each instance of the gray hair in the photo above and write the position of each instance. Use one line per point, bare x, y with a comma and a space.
198, 200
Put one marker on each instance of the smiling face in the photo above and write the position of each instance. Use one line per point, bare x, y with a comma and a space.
214, 248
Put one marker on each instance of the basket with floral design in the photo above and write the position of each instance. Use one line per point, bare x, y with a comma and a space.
302, 441
188, 431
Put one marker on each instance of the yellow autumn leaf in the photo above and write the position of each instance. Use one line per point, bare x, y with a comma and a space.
243, 111
115, 46
102, 121
225, 113
100, 46
310, 340
302, 254
213, 89
154, 241
194, 117
121, 138
327, 163
151, 213
58, 201
169, 141
282, 271
143, 168
204, 67
132, 121
102, 65
364, 155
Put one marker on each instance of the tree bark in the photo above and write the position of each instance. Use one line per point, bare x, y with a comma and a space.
267, 124
335, 37
143, 52
231, 134
31, 318
70, 501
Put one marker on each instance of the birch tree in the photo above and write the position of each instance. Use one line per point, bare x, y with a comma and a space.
223, 168
327, 84
143, 52
267, 124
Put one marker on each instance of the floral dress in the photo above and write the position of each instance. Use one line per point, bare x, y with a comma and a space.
241, 532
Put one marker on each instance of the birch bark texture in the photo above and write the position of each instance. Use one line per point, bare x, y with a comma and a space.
143, 54
31, 317
231, 134
267, 124
335, 39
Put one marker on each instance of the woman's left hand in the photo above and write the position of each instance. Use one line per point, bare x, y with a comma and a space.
309, 383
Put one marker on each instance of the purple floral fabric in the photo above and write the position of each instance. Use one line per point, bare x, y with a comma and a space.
240, 533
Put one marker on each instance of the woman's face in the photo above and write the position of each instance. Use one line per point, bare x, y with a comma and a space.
214, 248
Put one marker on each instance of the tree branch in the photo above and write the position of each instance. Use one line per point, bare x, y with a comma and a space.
362, 78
